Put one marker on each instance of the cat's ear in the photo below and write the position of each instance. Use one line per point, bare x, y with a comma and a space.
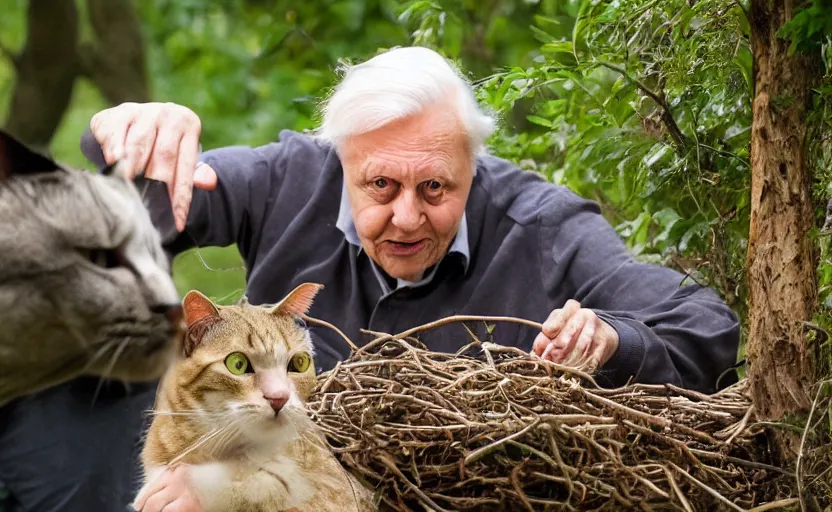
198, 307
298, 301
17, 159
200, 314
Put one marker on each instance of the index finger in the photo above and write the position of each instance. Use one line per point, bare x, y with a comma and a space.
558, 318
110, 131
184, 179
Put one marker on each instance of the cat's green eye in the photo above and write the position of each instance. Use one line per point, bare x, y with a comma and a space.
237, 363
300, 362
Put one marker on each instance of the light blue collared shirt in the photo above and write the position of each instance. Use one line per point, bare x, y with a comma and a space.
347, 226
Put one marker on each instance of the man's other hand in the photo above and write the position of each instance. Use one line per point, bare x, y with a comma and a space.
576, 337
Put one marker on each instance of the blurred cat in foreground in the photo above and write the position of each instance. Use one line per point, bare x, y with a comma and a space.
85, 286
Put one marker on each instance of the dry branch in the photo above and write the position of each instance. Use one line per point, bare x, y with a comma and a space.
494, 428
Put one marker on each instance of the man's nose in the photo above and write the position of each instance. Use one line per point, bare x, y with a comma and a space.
277, 399
407, 212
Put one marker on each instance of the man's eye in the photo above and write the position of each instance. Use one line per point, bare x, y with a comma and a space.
380, 183
434, 185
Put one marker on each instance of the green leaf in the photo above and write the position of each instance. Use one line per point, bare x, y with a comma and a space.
557, 47
540, 121
541, 35
508, 81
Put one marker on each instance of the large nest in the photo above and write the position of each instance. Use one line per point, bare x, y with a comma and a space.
493, 428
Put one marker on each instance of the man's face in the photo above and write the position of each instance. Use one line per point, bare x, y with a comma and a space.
408, 183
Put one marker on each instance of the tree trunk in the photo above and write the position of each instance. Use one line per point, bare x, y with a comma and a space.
116, 63
52, 60
781, 256
46, 72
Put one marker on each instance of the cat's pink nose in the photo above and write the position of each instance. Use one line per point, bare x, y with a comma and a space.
278, 401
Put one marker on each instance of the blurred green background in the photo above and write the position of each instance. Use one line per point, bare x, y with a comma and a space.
248, 68
642, 105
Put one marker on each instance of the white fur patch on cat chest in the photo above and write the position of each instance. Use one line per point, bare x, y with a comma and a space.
286, 471
211, 479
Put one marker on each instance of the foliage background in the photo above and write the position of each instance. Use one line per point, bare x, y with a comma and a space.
643, 105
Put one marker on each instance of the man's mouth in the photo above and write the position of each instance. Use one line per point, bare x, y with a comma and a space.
406, 248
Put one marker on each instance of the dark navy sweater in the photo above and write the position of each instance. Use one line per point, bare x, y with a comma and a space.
533, 245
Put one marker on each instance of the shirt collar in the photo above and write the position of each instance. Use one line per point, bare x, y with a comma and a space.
347, 226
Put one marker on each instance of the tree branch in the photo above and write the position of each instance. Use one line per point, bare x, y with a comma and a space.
726, 153
827, 224
116, 64
45, 72
667, 117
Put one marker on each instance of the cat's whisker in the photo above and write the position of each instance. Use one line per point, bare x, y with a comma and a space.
194, 414
108, 371
232, 432
116, 354
197, 444
106, 346
229, 433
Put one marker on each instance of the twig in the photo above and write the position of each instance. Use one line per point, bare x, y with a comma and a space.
475, 318
515, 482
705, 487
797, 467
667, 116
392, 467
485, 450
465, 318
659, 422
329, 325
747, 463
788, 502
726, 153
679, 494
741, 426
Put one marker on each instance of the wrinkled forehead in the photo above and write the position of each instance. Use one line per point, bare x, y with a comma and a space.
433, 138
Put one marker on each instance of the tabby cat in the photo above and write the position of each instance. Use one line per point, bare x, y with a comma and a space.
233, 410
85, 287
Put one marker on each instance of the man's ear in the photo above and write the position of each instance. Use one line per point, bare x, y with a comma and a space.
299, 300
17, 159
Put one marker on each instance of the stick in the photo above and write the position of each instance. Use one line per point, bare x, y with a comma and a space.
788, 502
327, 324
706, 488
803, 443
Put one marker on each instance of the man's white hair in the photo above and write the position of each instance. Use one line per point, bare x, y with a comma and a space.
396, 84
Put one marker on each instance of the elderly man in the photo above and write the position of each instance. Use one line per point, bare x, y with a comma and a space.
396, 208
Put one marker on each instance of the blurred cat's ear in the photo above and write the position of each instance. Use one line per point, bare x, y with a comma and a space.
17, 159
298, 301
198, 307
